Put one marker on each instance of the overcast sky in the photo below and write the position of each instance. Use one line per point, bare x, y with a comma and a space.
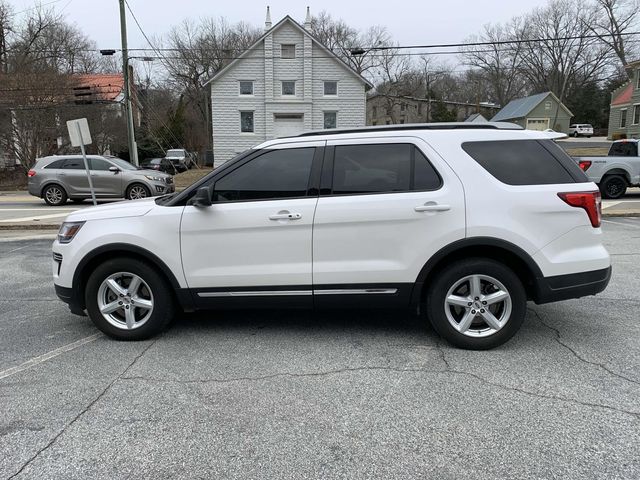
408, 21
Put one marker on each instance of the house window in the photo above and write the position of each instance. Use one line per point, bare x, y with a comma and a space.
374, 123
288, 50
547, 105
623, 118
246, 87
636, 114
638, 79
330, 120
246, 122
402, 121
374, 111
288, 87
331, 88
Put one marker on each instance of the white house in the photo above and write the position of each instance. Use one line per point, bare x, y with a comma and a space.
287, 82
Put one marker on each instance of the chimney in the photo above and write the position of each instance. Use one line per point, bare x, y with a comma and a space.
307, 20
267, 21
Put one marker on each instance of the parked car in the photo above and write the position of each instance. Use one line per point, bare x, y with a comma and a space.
447, 220
58, 178
581, 130
180, 159
161, 164
616, 172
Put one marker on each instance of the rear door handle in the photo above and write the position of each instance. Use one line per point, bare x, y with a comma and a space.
285, 216
432, 207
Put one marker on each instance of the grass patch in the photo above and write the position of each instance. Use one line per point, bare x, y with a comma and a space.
184, 179
588, 151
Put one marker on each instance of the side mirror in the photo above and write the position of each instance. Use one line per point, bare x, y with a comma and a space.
202, 198
114, 169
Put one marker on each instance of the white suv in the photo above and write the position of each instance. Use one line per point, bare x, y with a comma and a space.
462, 222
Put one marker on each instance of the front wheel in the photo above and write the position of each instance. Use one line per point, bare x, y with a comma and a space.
613, 186
476, 304
575, 135
128, 300
137, 191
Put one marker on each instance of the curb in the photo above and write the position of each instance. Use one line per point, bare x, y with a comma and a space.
17, 226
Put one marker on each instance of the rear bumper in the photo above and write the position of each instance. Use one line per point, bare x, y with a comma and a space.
575, 285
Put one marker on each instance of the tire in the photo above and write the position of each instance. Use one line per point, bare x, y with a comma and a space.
136, 191
613, 186
137, 322
575, 135
454, 282
54, 195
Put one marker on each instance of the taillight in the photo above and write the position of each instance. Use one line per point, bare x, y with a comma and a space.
584, 165
31, 173
591, 202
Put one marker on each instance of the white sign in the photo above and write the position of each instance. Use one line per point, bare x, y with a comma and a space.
79, 136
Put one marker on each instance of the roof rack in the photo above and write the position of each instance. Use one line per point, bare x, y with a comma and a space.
417, 126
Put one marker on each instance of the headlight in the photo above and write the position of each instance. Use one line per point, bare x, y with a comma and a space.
154, 179
68, 230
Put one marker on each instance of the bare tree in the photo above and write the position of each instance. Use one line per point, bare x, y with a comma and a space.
615, 20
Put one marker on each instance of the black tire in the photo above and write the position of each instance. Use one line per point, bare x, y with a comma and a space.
613, 186
137, 187
54, 195
575, 135
454, 273
161, 294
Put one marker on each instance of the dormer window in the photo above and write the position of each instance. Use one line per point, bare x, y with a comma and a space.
288, 50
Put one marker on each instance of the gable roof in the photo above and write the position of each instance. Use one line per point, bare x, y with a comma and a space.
521, 107
624, 96
476, 118
304, 31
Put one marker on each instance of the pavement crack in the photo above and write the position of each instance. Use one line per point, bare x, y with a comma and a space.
558, 339
83, 411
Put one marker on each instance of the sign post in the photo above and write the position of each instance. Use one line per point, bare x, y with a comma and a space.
80, 136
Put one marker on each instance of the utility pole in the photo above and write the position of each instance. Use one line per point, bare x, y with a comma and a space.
133, 149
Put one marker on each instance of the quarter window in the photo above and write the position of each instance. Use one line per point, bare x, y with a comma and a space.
331, 88
330, 120
246, 122
246, 87
525, 162
288, 87
383, 168
56, 164
274, 175
288, 51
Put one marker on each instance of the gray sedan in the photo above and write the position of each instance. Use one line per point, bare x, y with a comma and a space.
58, 178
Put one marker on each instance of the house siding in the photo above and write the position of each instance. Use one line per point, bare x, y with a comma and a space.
264, 65
631, 130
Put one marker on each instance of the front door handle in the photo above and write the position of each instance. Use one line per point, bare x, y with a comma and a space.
432, 207
285, 216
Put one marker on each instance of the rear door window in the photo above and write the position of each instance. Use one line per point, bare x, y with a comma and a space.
525, 162
382, 168
624, 149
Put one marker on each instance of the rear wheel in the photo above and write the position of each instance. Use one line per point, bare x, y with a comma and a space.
613, 186
137, 191
476, 304
128, 300
54, 195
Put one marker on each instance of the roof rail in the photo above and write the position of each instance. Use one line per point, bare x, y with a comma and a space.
417, 126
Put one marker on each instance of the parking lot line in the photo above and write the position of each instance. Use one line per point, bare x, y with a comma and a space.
49, 355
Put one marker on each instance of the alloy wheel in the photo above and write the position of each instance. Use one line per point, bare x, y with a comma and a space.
125, 300
54, 195
478, 306
137, 192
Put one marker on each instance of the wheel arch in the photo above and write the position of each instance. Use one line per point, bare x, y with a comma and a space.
617, 171
485, 247
106, 252
48, 183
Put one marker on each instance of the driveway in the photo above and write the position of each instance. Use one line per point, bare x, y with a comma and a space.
319, 395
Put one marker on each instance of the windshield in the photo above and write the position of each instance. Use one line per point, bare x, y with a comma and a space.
175, 153
122, 164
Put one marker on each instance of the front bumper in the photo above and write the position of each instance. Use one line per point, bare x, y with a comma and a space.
575, 285
67, 296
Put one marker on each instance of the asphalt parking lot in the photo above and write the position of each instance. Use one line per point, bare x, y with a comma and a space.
319, 395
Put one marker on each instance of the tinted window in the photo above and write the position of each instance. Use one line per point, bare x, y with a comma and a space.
624, 149
372, 168
525, 162
99, 164
56, 164
425, 176
275, 174
73, 164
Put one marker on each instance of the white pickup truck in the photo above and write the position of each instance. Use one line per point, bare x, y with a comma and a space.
617, 171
